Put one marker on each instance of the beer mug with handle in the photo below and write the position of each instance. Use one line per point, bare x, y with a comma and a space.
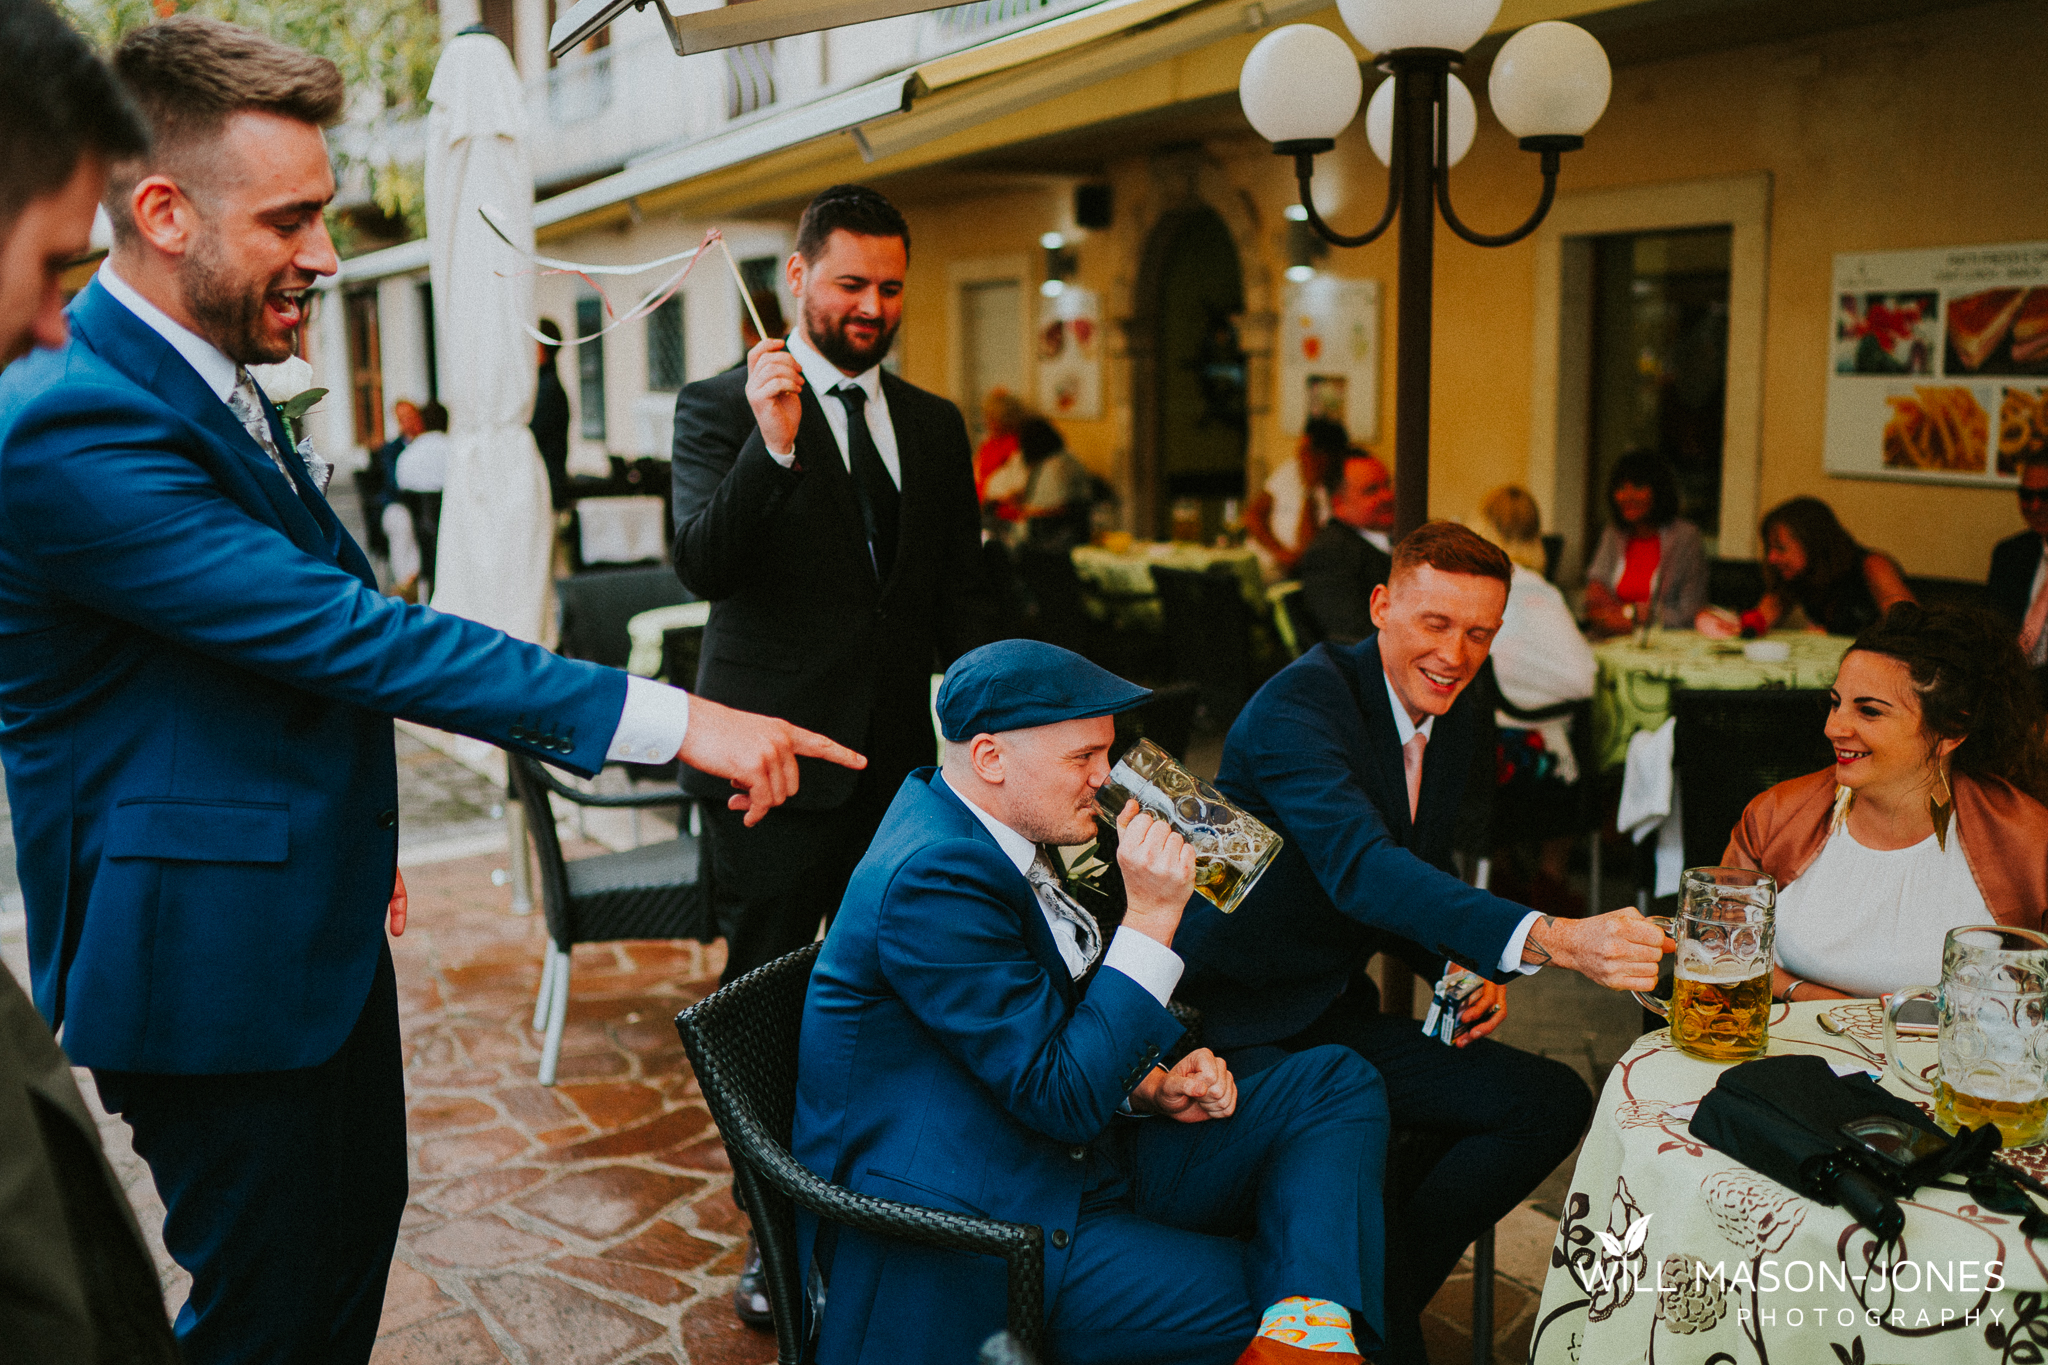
1232, 849
1993, 1010
1720, 1007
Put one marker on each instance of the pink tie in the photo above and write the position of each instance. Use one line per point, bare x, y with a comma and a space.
2037, 617
1411, 760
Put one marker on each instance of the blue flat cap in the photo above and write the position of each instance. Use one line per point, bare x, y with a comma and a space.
1016, 684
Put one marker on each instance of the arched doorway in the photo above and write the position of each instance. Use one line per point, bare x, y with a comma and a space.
1189, 377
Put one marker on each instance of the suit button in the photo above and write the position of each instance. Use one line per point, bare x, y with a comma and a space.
518, 732
1059, 1239
1079, 1153
388, 820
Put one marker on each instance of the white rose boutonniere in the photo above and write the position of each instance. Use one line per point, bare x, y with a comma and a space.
289, 385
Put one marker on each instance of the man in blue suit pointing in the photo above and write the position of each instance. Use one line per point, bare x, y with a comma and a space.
197, 679
973, 1041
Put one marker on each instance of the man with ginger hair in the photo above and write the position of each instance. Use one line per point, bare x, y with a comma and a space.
1356, 756
197, 680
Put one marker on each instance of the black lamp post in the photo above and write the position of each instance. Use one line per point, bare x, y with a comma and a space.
1300, 88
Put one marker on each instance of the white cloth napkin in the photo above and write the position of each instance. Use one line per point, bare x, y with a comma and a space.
1649, 802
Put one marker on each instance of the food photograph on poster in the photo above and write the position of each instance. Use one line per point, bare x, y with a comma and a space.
1931, 357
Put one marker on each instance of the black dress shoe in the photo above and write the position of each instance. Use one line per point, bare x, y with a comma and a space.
750, 1296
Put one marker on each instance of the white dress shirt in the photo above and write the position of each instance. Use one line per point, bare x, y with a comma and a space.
1379, 540
1144, 960
823, 377
1406, 729
654, 719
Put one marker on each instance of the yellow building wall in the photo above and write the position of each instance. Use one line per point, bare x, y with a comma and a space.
1919, 133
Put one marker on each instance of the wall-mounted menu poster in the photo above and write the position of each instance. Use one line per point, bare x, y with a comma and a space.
1938, 363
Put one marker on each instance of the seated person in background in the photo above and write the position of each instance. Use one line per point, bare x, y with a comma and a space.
1930, 819
1812, 564
1646, 544
421, 467
1539, 660
968, 1044
384, 460
999, 473
1357, 758
2018, 586
1284, 515
1059, 492
1351, 555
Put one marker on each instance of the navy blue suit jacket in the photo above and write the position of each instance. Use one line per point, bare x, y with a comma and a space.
2009, 589
197, 679
949, 1060
1315, 754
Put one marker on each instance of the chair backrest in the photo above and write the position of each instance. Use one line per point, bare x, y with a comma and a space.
1293, 621
742, 1041
595, 608
532, 795
1553, 551
1208, 635
1947, 592
1730, 748
1059, 609
1167, 718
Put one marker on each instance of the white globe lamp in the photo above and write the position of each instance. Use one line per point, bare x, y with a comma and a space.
1551, 80
1379, 122
1383, 26
1300, 85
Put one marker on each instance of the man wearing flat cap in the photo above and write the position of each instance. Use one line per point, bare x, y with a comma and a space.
972, 1043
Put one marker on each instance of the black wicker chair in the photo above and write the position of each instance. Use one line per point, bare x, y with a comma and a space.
655, 891
596, 606
1730, 748
742, 1041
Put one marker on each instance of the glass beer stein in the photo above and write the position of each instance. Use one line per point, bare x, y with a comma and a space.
1993, 1010
1720, 1007
1232, 849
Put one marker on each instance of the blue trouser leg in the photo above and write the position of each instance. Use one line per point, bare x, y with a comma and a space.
282, 1193
1205, 1224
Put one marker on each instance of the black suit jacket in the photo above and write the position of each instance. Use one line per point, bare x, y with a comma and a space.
2013, 562
799, 627
1338, 572
1317, 756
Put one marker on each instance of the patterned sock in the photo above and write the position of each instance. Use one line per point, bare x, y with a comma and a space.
1310, 1325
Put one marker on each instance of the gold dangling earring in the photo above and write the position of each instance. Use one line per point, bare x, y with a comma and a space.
1844, 797
1941, 809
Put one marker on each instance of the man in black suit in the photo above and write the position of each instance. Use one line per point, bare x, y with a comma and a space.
550, 424
2019, 569
1352, 554
826, 510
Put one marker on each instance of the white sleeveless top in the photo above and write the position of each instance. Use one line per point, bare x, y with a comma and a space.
1869, 922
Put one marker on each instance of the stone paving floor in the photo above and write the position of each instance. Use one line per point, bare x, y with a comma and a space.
591, 1223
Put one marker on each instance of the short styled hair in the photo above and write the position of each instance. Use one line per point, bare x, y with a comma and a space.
189, 74
1450, 548
433, 416
1326, 435
58, 104
848, 208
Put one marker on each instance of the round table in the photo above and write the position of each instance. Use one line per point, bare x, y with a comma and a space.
1650, 1206
1128, 573
1633, 688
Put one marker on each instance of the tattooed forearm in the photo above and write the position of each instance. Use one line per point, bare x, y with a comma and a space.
1532, 948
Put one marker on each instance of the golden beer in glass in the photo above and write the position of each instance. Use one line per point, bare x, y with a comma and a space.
1993, 1009
1720, 1006
1232, 848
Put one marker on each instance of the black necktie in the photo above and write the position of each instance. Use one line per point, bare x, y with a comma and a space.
871, 483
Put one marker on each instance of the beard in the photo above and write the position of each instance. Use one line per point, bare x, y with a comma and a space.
229, 310
829, 336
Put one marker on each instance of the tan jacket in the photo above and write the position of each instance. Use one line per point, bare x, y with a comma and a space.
2003, 833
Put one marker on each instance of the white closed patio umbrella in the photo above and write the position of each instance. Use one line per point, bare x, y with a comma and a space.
497, 523
496, 520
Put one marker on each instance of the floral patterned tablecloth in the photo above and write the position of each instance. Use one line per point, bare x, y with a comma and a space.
1653, 1214
1633, 688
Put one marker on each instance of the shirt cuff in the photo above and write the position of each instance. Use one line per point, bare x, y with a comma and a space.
651, 724
1511, 956
787, 459
1146, 961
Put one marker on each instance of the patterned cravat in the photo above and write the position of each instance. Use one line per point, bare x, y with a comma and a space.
1045, 884
248, 410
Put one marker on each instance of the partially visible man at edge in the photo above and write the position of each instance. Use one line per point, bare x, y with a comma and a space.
77, 1284
1357, 756
197, 676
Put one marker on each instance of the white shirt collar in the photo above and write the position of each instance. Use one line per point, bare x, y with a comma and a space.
213, 367
1404, 727
1377, 539
1015, 846
823, 376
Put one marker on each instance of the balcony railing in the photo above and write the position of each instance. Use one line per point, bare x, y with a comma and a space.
749, 78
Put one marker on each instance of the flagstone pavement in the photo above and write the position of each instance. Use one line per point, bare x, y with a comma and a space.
591, 1223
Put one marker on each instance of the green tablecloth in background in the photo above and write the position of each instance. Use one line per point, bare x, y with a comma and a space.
1129, 573
1633, 691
